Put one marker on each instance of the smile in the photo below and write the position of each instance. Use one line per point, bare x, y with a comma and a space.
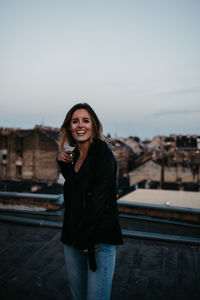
80, 132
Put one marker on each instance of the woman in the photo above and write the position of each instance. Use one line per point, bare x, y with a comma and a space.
91, 227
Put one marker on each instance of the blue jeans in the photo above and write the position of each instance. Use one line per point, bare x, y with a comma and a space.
84, 283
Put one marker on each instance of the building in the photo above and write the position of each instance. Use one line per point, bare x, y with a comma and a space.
170, 162
29, 154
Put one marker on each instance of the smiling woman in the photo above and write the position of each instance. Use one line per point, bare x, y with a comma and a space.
81, 126
91, 226
79, 115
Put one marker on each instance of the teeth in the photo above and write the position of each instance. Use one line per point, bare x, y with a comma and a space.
80, 132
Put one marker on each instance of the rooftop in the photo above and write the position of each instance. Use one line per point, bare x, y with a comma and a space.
164, 197
32, 266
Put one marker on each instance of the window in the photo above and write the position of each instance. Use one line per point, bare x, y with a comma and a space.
19, 170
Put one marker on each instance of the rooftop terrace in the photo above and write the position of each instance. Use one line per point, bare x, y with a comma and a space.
165, 197
32, 264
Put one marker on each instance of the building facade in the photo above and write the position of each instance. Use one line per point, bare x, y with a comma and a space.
28, 155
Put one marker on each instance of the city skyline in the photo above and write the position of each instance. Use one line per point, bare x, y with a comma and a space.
135, 62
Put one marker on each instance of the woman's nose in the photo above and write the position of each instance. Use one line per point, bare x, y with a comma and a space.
80, 124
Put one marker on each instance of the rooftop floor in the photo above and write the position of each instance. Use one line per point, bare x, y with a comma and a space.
165, 197
32, 267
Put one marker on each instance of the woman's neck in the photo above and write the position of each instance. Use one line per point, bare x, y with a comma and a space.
83, 148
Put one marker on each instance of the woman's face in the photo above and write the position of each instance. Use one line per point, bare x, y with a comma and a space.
81, 126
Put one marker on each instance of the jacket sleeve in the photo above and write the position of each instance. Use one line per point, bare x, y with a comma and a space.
102, 190
64, 168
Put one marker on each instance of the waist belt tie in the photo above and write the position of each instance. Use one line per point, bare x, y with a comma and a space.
91, 257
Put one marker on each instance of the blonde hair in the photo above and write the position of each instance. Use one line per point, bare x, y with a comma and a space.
65, 133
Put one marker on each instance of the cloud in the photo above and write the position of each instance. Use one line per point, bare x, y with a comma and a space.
175, 112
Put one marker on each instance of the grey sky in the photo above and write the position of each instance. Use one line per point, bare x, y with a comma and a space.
136, 62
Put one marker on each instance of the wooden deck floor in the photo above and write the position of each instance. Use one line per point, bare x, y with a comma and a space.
32, 267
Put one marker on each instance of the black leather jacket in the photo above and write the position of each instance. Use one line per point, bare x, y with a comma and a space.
91, 214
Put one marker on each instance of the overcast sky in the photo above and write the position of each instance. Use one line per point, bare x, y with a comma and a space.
136, 62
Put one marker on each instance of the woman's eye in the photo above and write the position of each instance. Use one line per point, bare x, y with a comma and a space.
77, 121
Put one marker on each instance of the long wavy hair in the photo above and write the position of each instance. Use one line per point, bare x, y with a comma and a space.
65, 133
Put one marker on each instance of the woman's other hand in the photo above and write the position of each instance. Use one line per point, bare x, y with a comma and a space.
66, 156
95, 249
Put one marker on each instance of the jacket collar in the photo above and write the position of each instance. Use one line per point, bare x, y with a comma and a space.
88, 162
95, 142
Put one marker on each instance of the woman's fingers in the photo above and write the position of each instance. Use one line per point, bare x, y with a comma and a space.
85, 251
96, 248
66, 156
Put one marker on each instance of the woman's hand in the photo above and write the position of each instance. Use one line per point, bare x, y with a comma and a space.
66, 156
85, 251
